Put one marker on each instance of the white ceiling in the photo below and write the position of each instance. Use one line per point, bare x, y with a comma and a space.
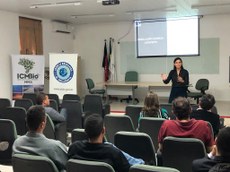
91, 11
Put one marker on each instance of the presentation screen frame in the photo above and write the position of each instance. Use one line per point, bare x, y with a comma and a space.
161, 41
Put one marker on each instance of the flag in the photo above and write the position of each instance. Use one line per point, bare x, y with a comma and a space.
110, 51
112, 61
105, 63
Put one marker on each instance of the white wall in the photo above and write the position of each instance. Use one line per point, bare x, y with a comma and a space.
9, 41
218, 27
89, 44
54, 42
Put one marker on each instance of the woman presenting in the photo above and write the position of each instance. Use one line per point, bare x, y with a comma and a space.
180, 80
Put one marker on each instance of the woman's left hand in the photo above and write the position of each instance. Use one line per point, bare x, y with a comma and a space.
180, 79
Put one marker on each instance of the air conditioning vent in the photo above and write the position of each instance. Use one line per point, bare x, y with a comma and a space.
62, 27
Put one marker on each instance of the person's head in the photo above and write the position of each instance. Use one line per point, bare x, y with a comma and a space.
178, 63
207, 101
151, 104
181, 108
42, 99
94, 126
36, 118
223, 142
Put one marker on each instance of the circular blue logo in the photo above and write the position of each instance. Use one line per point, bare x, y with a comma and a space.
63, 72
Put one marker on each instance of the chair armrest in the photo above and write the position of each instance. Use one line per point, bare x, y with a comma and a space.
61, 132
106, 109
188, 91
84, 116
203, 89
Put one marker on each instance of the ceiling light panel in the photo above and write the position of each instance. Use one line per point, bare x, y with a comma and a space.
44, 5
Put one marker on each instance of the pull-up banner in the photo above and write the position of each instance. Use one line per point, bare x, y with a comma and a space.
63, 74
27, 74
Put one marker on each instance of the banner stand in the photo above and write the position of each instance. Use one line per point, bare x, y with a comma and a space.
27, 74
63, 77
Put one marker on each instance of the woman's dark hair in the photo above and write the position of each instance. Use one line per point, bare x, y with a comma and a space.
178, 58
181, 108
151, 105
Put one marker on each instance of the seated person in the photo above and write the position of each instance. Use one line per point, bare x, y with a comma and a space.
183, 126
94, 149
35, 143
219, 159
206, 103
152, 107
43, 99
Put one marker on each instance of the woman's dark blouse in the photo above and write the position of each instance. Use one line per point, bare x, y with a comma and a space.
173, 76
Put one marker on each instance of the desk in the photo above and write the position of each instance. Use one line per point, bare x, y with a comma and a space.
128, 88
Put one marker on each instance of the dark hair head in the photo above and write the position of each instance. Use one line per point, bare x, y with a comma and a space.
93, 126
40, 98
223, 141
151, 105
181, 108
178, 58
35, 116
207, 101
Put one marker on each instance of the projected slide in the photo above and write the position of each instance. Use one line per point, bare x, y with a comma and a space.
157, 38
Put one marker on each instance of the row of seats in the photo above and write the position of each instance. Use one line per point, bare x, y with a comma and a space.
134, 111
131, 143
75, 119
18, 116
29, 99
128, 142
127, 139
119, 130
148, 125
122, 142
75, 110
92, 103
140, 145
28, 163
32, 96
13, 125
173, 155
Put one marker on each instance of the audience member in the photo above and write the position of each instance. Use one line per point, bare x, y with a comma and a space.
219, 159
95, 149
43, 99
152, 107
206, 103
183, 126
35, 143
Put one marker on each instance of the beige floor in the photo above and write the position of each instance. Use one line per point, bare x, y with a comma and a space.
4, 168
